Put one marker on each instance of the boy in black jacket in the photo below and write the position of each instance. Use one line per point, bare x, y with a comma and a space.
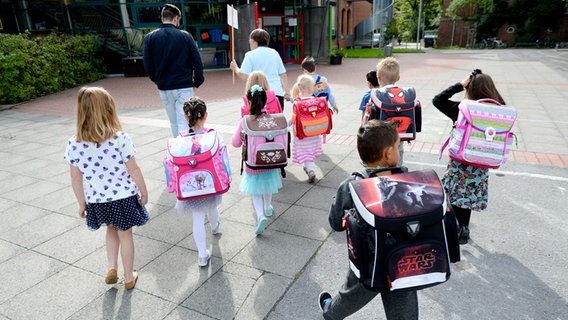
378, 147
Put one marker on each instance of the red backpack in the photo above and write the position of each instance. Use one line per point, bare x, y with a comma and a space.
311, 117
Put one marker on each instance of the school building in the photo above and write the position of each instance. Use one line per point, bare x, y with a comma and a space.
298, 28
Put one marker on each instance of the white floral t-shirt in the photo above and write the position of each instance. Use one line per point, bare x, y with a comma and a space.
104, 167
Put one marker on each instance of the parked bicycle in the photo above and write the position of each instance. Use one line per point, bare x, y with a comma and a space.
492, 43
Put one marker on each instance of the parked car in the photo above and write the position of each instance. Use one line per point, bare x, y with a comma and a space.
370, 40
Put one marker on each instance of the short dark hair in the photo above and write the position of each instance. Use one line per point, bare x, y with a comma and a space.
372, 78
169, 11
309, 64
260, 36
373, 138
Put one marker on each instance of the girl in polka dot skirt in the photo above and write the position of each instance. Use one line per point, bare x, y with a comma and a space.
116, 192
195, 112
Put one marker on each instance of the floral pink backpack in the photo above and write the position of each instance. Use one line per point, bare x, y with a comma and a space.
197, 165
272, 104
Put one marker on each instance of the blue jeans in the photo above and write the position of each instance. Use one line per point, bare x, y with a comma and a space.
173, 103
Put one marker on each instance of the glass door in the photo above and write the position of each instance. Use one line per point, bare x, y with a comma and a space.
293, 38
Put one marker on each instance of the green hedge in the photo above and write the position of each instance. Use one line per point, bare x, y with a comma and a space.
32, 67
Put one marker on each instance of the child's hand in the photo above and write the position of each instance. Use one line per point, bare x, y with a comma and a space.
335, 110
465, 81
143, 199
83, 210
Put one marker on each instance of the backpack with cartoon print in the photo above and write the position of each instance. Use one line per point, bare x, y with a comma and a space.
399, 234
197, 165
397, 105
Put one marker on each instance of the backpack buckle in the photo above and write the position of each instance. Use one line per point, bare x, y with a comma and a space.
489, 133
413, 228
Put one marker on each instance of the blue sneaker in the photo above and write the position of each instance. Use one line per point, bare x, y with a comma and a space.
260, 225
324, 298
268, 212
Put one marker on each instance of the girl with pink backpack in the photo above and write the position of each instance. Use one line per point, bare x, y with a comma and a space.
272, 102
261, 184
466, 186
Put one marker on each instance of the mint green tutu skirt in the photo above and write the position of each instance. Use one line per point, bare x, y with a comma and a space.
261, 183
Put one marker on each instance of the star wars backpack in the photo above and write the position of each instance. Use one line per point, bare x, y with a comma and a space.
482, 135
197, 165
266, 142
399, 235
398, 105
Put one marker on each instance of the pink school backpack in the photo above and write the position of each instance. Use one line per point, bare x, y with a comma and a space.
482, 134
266, 141
197, 165
272, 104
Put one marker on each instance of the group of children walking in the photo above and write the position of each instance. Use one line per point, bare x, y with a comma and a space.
103, 156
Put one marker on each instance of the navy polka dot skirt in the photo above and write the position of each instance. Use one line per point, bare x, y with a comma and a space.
123, 214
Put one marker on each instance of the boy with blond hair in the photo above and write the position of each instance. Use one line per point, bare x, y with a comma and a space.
388, 73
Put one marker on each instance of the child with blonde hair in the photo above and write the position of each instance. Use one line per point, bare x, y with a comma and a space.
102, 154
272, 102
306, 150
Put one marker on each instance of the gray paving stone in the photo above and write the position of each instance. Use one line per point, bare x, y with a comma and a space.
40, 230
169, 227
119, 303
279, 253
33, 191
175, 274
14, 215
182, 313
229, 291
304, 222
57, 297
65, 248
263, 296
9, 250
25, 271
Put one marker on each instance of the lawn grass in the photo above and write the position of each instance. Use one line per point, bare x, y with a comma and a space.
375, 52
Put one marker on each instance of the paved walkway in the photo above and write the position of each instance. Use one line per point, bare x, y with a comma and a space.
54, 267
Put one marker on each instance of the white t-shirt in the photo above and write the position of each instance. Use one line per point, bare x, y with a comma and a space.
267, 60
103, 166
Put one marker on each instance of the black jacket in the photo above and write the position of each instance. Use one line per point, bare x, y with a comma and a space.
172, 59
443, 103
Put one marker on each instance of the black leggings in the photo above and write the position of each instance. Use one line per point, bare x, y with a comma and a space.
463, 216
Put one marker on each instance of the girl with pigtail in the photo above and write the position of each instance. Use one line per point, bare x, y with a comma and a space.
195, 112
261, 184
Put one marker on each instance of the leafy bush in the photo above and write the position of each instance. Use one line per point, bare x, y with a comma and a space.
32, 67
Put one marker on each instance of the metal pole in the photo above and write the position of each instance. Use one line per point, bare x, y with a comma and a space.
418, 26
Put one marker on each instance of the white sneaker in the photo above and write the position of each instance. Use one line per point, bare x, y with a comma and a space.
204, 261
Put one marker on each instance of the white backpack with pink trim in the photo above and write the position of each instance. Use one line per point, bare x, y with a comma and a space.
197, 165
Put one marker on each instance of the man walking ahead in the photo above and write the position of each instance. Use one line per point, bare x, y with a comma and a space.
173, 63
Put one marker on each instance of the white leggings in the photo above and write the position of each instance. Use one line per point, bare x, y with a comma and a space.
261, 202
199, 228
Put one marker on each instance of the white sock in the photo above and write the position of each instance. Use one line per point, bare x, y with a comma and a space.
257, 203
309, 165
267, 200
199, 232
214, 217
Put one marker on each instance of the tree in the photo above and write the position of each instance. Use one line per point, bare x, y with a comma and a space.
405, 18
